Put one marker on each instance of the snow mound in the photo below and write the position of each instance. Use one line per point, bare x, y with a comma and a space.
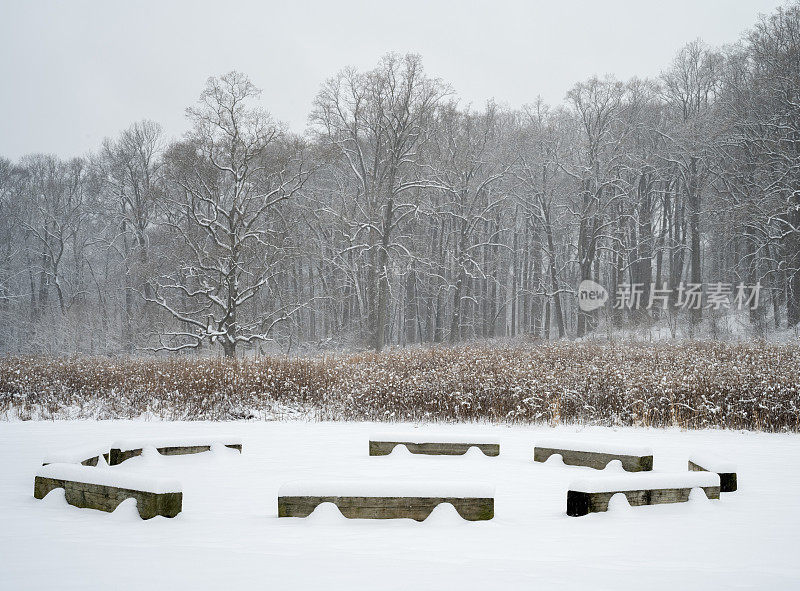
220, 448
149, 452
614, 466
57, 496
399, 451
111, 477
474, 452
698, 495
646, 480
555, 459
394, 488
619, 503
326, 513
444, 514
126, 511
595, 446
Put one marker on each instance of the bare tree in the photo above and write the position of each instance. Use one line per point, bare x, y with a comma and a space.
770, 122
598, 105
130, 166
690, 87
225, 184
537, 173
53, 218
377, 121
467, 167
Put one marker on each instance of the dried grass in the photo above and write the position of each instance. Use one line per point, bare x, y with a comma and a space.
690, 385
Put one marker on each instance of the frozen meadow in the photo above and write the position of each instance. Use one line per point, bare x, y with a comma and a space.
229, 537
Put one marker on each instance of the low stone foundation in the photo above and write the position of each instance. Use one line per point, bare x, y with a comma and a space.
106, 498
583, 503
383, 448
594, 459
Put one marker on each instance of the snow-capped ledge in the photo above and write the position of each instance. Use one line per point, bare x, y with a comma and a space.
107, 477
392, 488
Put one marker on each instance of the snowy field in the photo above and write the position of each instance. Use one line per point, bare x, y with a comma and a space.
229, 537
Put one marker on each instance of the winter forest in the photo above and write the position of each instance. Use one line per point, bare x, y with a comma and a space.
404, 216
497, 294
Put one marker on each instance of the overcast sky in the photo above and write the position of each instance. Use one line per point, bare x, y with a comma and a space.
73, 72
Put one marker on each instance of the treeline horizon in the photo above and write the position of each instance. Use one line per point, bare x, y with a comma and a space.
402, 217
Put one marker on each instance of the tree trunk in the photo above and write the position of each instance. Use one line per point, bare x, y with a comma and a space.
553, 276
644, 256
793, 265
696, 313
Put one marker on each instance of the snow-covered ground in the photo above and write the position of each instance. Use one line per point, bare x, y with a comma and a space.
229, 537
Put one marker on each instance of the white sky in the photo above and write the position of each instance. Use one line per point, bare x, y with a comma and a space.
73, 72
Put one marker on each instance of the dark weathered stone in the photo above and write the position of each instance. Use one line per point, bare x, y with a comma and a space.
383, 448
582, 503
117, 456
106, 498
727, 480
594, 459
577, 503
417, 508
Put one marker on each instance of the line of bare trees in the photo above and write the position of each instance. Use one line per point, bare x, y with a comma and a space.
402, 216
